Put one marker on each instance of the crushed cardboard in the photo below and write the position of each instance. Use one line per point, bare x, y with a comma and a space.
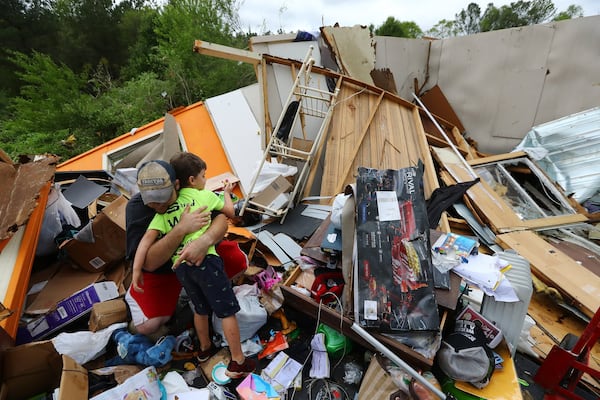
108, 244
22, 184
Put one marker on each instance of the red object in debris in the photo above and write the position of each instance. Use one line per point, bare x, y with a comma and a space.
562, 369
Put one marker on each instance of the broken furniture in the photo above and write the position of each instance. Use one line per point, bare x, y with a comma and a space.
305, 101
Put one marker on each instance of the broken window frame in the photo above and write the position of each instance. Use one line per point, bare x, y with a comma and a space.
556, 202
111, 159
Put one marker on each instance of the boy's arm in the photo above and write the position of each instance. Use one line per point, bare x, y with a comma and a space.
162, 250
228, 208
140, 256
194, 252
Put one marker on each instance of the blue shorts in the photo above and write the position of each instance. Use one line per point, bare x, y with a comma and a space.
208, 287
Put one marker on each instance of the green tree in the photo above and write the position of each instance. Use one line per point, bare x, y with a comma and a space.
573, 11
468, 21
46, 110
197, 77
393, 27
444, 28
520, 13
23, 26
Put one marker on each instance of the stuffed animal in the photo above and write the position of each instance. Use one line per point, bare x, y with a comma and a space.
138, 349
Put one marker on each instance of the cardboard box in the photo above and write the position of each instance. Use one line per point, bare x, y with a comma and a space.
67, 311
274, 195
101, 243
36, 368
106, 313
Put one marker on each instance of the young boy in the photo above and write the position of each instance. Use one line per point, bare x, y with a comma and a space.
207, 285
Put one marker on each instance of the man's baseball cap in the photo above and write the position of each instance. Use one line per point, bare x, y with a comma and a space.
156, 181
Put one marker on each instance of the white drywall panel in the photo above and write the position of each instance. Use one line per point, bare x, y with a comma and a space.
239, 133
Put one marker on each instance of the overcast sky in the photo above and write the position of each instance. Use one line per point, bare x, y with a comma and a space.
293, 15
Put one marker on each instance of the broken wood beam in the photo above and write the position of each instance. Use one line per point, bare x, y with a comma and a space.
228, 53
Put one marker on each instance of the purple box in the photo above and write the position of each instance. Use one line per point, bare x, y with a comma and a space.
67, 311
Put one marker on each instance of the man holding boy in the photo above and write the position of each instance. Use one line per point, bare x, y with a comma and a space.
155, 304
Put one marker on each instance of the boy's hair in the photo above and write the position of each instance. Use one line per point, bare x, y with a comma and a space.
186, 164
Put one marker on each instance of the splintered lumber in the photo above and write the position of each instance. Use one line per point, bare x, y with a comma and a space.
556, 269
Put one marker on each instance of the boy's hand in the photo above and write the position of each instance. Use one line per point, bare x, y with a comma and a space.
195, 220
228, 186
137, 280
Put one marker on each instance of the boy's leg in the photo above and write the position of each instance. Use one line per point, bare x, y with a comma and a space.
187, 276
202, 330
231, 331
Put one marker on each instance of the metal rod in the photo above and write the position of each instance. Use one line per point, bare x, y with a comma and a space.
398, 361
437, 125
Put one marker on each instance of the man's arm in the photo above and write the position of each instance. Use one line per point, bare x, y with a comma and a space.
194, 252
163, 249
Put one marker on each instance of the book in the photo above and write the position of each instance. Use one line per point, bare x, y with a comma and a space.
492, 333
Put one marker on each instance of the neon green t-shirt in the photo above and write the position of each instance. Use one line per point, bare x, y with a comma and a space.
164, 223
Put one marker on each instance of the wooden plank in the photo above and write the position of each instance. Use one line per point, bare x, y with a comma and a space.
556, 269
228, 53
488, 203
390, 142
497, 157
361, 138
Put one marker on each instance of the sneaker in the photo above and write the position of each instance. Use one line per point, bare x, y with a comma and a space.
236, 371
204, 355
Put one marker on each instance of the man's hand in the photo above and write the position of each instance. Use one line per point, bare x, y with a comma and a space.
194, 252
193, 221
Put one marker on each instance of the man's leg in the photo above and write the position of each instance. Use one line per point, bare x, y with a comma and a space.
153, 307
152, 325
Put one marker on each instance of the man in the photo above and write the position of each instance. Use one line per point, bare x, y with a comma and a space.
156, 303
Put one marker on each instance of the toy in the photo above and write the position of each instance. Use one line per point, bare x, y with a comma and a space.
138, 349
267, 278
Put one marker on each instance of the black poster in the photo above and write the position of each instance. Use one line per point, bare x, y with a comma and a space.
394, 288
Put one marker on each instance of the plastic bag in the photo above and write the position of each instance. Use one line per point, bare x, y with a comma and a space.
251, 317
58, 213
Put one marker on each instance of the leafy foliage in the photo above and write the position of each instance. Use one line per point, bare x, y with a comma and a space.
393, 27
573, 11
198, 77
520, 13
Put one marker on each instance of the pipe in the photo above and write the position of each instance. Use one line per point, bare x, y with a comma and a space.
398, 361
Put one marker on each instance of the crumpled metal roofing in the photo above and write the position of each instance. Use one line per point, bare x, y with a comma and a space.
568, 150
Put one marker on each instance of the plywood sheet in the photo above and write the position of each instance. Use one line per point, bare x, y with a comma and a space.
556, 269
373, 129
354, 49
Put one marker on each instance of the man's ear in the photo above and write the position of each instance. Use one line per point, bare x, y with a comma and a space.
176, 184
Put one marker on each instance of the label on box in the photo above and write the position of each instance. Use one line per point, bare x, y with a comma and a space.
71, 308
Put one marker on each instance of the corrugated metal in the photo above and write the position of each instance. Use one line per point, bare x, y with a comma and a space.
511, 316
568, 150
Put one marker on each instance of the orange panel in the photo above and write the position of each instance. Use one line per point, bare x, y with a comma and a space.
19, 281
